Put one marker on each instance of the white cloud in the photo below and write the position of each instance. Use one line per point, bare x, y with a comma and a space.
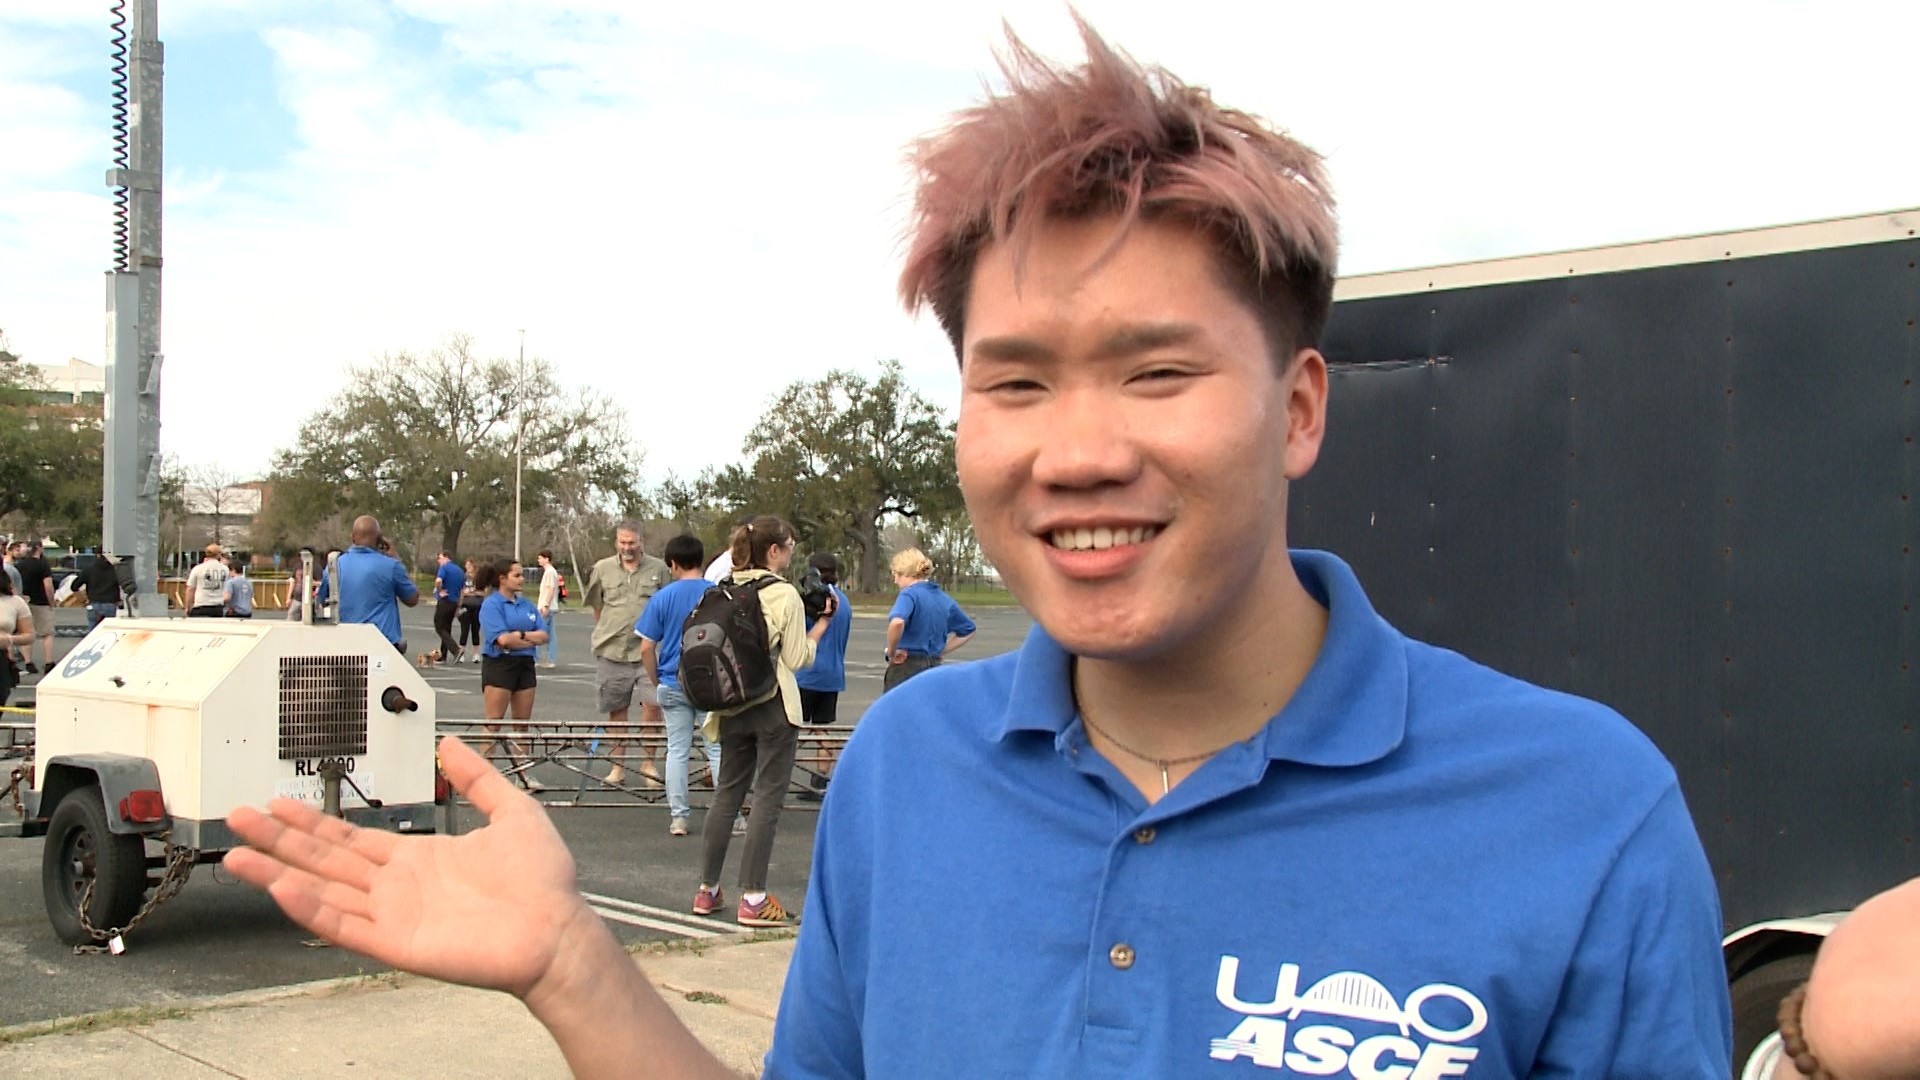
690, 205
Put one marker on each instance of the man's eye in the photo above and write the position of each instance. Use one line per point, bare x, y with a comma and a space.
1161, 375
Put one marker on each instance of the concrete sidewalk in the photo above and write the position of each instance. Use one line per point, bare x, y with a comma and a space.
398, 1026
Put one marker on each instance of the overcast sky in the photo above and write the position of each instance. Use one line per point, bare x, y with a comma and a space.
690, 205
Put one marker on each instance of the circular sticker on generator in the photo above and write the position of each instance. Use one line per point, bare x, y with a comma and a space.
88, 654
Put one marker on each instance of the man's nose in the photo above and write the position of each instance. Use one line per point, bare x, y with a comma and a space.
1086, 440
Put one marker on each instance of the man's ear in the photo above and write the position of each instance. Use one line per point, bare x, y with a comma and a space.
1306, 412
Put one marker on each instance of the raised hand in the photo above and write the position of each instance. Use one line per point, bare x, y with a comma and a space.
490, 908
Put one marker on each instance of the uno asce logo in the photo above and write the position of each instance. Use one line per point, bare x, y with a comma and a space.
1350, 1024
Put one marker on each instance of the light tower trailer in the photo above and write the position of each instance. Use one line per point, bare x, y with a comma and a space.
152, 730
1679, 478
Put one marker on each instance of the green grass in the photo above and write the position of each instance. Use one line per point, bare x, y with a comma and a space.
971, 597
100, 1021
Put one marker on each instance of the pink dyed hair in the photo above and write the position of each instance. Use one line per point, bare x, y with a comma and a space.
1112, 137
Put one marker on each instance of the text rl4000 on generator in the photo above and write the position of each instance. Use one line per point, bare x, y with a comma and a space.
152, 730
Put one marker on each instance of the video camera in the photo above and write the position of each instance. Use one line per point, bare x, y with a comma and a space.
816, 596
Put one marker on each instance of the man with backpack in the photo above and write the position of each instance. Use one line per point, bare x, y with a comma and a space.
658, 630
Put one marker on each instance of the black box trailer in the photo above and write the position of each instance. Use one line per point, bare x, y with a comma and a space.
1679, 478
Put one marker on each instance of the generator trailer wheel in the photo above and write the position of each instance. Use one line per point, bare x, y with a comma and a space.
80, 850
1756, 998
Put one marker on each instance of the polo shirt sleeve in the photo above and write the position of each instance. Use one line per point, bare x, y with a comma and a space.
1646, 991
957, 620
902, 605
817, 1030
493, 621
403, 586
652, 623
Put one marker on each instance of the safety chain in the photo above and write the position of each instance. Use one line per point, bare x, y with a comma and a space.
180, 864
13, 791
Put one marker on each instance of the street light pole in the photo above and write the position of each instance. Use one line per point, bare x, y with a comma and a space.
519, 437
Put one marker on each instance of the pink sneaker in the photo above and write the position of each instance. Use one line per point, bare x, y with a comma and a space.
767, 912
706, 901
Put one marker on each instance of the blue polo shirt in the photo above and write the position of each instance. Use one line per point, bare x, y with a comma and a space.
931, 615
370, 586
498, 615
828, 672
1419, 868
663, 617
448, 582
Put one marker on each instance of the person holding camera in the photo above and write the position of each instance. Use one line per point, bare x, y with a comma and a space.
925, 624
757, 742
822, 682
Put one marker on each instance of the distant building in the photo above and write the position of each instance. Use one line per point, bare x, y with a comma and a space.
75, 383
224, 515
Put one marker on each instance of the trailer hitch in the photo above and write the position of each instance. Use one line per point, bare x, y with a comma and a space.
332, 772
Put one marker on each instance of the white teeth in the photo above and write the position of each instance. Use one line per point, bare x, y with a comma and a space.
1101, 538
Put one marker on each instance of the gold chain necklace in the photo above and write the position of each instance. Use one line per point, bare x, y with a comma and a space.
1166, 784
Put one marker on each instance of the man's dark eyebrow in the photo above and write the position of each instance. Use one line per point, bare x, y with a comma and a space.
1146, 337
1011, 349
1125, 341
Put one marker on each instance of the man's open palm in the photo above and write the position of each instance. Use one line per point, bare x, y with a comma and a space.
486, 909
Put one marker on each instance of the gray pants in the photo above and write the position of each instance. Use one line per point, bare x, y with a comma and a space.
914, 664
756, 750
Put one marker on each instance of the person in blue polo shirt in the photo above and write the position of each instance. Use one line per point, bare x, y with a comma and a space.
449, 581
823, 681
1215, 817
659, 629
924, 625
372, 584
511, 630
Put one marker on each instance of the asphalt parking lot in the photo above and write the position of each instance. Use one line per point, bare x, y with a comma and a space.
220, 937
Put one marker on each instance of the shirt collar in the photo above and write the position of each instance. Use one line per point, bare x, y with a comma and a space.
1350, 710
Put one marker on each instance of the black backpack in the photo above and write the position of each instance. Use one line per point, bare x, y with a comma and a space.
726, 661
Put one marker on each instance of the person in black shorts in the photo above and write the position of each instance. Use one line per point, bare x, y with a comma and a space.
510, 631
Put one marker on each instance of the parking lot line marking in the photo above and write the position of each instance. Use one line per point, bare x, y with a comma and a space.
695, 924
654, 924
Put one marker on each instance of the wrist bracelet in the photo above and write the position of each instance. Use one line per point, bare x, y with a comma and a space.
1793, 1036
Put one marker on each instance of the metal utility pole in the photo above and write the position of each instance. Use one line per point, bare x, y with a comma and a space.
519, 437
130, 494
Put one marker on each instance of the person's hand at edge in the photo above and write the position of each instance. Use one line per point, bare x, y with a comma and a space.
441, 906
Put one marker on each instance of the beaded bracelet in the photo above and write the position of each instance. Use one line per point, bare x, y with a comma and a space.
1793, 1037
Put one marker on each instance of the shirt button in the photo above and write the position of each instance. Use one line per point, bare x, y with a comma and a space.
1144, 834
1121, 956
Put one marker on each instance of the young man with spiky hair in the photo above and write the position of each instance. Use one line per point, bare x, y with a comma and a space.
1215, 817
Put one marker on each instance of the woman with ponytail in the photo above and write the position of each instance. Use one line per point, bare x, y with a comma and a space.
757, 743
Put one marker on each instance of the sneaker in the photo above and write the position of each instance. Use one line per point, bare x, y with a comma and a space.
33, 668
549, 665
475, 658
677, 827
706, 901
740, 826
767, 912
